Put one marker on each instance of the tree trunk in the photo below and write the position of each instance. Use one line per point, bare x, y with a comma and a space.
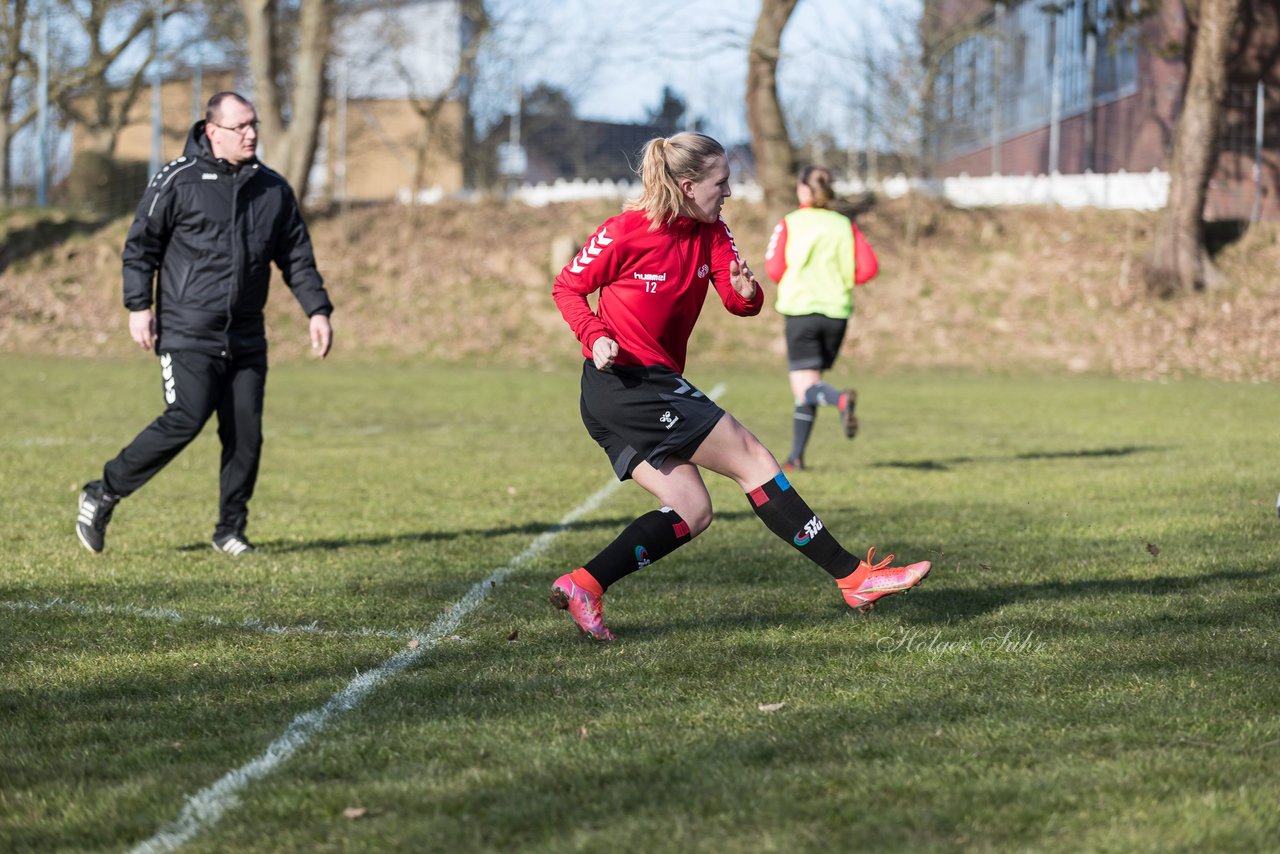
769, 140
260, 36
1179, 260
13, 19
309, 89
291, 148
88, 94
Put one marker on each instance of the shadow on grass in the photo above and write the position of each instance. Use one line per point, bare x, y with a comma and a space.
530, 529
1083, 453
948, 606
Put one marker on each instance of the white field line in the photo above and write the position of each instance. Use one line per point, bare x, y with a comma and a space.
170, 616
206, 807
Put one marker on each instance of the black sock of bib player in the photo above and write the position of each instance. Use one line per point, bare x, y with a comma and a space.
654, 535
785, 513
822, 394
801, 427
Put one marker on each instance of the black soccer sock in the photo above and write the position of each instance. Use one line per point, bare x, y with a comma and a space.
822, 394
784, 512
654, 535
801, 427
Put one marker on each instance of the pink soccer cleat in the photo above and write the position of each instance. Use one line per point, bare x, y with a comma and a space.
882, 580
583, 606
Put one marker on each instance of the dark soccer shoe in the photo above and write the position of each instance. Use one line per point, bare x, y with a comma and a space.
233, 544
849, 420
94, 513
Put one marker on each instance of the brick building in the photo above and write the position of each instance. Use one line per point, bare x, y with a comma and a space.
1030, 87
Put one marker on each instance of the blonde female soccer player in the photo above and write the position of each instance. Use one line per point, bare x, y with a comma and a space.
652, 266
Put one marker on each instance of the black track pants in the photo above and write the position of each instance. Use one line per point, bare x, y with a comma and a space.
195, 386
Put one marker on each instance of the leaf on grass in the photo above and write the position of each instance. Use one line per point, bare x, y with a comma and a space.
354, 812
582, 732
985, 566
770, 707
414, 643
1153, 549
514, 636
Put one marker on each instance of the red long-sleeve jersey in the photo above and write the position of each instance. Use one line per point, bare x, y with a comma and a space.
652, 286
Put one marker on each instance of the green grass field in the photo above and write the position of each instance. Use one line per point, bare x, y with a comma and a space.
1092, 665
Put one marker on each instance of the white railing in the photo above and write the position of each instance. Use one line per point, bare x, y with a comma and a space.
1143, 191
1115, 191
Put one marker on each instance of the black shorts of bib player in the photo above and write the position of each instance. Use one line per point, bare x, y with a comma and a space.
813, 341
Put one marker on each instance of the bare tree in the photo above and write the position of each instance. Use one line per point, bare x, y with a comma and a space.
1179, 260
769, 140
431, 135
296, 89
86, 93
13, 58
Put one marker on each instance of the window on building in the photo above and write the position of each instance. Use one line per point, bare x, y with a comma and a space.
1039, 41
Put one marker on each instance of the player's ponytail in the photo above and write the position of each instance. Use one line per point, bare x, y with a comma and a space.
818, 180
664, 163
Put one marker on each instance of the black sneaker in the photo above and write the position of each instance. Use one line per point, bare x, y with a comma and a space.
233, 544
848, 403
95, 509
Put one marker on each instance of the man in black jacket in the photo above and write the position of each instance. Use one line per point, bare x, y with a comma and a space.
206, 231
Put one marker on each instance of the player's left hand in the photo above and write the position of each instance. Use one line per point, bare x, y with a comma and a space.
743, 280
321, 335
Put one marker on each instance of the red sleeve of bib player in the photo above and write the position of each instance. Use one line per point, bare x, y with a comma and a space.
865, 263
724, 251
775, 256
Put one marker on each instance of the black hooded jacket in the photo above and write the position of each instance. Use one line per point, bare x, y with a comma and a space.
212, 231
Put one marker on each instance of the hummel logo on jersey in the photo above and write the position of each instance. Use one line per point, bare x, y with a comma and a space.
669, 419
651, 277
209, 176
590, 252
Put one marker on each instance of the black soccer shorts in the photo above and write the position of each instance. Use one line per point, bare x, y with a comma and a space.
644, 414
813, 341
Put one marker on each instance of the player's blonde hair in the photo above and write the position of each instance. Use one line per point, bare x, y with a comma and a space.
665, 162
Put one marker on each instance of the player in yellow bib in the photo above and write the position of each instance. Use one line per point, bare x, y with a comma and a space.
817, 256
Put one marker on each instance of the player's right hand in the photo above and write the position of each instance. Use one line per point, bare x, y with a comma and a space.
604, 352
142, 328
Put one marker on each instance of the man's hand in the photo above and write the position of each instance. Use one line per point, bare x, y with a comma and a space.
743, 280
142, 328
321, 335
604, 351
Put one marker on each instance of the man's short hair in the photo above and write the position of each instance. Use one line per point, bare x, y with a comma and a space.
214, 108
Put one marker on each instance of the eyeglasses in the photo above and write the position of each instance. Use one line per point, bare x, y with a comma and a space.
241, 130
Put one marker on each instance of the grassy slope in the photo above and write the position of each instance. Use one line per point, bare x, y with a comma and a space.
1010, 290
1055, 686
